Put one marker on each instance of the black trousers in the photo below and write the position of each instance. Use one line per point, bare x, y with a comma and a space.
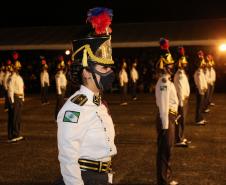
6, 106
59, 102
165, 142
90, 178
179, 127
211, 93
124, 90
199, 106
44, 94
14, 118
207, 98
1, 91
134, 89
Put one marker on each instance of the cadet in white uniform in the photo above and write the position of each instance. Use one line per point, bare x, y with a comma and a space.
183, 92
44, 79
16, 98
134, 78
123, 81
167, 103
85, 128
61, 84
211, 64
201, 88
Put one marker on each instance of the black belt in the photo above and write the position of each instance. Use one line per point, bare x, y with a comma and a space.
18, 95
173, 112
97, 166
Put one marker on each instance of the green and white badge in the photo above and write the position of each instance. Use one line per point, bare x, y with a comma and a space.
71, 116
163, 88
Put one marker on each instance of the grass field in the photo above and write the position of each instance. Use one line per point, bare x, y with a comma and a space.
33, 161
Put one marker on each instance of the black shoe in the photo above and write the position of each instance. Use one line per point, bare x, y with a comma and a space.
212, 104
19, 138
206, 110
173, 182
181, 144
134, 98
124, 103
202, 122
186, 141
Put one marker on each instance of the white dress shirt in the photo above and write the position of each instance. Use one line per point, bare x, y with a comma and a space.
182, 85
123, 77
44, 78
16, 86
200, 81
166, 99
61, 81
84, 132
134, 74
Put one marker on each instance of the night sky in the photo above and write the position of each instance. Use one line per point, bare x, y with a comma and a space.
49, 13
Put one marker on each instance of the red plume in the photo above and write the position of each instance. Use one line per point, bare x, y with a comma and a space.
101, 22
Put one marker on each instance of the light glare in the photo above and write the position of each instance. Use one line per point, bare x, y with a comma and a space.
222, 47
67, 52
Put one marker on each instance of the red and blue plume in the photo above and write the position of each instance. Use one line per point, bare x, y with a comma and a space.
164, 44
15, 55
181, 51
200, 53
43, 61
8, 62
100, 19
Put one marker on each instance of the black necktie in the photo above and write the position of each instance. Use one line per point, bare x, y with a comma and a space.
96, 99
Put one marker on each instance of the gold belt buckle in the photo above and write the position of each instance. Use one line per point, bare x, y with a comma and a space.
108, 167
100, 166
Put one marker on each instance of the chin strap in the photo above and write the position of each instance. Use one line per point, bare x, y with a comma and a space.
94, 76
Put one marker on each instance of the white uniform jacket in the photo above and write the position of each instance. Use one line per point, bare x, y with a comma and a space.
44, 78
2, 74
61, 81
6, 80
123, 77
208, 76
134, 74
166, 99
182, 85
84, 132
213, 75
200, 81
16, 86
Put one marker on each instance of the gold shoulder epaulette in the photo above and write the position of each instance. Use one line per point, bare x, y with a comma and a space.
79, 99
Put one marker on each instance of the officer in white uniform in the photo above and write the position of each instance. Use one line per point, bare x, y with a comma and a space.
85, 128
211, 64
123, 81
183, 92
16, 98
134, 78
167, 103
61, 84
201, 88
44, 79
